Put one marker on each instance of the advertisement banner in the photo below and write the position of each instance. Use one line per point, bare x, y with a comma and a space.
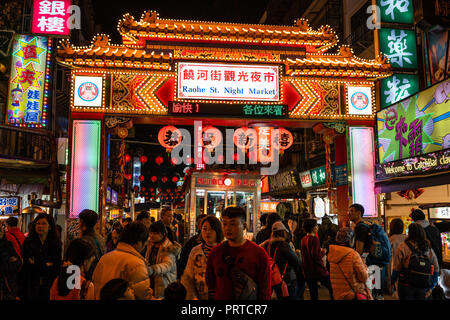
399, 46
27, 101
8, 205
415, 126
305, 179
228, 82
51, 17
438, 49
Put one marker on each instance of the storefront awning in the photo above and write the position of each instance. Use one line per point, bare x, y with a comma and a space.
408, 183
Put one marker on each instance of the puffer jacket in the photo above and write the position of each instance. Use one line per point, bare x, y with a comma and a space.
165, 269
285, 258
126, 263
193, 278
354, 272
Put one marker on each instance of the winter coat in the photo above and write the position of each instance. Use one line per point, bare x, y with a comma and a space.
17, 238
165, 269
184, 255
354, 272
193, 278
8, 270
37, 278
312, 258
395, 241
403, 254
126, 263
327, 228
263, 235
285, 258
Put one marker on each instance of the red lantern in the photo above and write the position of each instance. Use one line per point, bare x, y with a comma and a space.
141, 178
127, 158
151, 189
159, 160
282, 139
174, 161
143, 188
154, 178
168, 190
143, 159
128, 176
220, 158
169, 137
136, 188
189, 161
236, 157
164, 179
175, 179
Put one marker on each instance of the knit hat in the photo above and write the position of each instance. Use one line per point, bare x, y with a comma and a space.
279, 226
344, 235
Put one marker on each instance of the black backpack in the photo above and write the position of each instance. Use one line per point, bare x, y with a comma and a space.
244, 287
419, 270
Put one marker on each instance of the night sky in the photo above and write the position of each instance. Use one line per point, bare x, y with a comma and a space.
239, 11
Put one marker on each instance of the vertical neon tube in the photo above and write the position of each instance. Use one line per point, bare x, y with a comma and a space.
362, 157
85, 171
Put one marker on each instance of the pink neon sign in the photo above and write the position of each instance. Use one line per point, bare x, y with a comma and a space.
50, 17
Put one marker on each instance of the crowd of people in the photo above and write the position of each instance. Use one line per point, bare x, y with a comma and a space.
152, 260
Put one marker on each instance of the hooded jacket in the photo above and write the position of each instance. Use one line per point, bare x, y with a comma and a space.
126, 263
354, 272
164, 270
285, 257
16, 237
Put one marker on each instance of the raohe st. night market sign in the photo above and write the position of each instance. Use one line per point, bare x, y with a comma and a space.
211, 81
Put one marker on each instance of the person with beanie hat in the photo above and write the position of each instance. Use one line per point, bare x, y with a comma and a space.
348, 273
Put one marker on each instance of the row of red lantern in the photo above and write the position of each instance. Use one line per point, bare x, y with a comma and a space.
164, 179
244, 138
143, 159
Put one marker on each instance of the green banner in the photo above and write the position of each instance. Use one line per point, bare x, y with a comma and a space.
396, 11
399, 46
398, 87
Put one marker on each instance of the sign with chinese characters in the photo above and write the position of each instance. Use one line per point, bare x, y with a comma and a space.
440, 213
305, 179
228, 82
269, 207
225, 182
396, 11
399, 46
114, 196
398, 87
319, 175
88, 91
230, 110
415, 126
430, 162
283, 181
51, 17
340, 173
27, 95
8, 205
359, 100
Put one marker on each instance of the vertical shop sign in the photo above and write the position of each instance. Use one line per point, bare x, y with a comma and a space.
51, 17
396, 11
398, 87
400, 47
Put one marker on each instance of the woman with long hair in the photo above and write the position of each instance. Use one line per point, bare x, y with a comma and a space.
41, 259
414, 285
193, 278
79, 256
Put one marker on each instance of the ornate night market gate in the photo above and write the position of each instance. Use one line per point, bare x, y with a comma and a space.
177, 72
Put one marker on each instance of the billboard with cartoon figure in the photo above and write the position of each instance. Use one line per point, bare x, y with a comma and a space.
28, 88
414, 126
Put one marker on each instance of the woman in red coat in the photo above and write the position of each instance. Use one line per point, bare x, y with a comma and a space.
312, 259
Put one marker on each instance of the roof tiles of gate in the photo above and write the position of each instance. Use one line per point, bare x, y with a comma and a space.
154, 44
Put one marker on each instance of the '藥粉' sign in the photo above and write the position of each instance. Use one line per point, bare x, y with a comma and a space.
199, 81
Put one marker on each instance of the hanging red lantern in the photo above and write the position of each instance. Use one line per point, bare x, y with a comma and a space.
189, 161
211, 137
141, 178
143, 159
128, 176
154, 178
143, 188
136, 188
159, 160
127, 158
175, 179
236, 157
220, 159
169, 137
245, 138
168, 190
282, 139
174, 161
164, 179
151, 189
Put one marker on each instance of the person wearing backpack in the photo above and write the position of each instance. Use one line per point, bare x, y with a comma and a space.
237, 269
285, 264
372, 243
415, 266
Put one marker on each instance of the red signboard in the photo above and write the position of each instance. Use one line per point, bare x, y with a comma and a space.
51, 17
225, 182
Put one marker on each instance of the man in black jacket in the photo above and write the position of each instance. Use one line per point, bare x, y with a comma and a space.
265, 233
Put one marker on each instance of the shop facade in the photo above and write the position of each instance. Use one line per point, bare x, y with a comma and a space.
176, 72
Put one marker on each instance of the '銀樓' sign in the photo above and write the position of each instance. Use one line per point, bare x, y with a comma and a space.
228, 82
50, 17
